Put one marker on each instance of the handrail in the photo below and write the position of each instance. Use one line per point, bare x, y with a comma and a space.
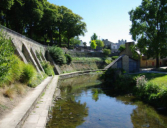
22, 36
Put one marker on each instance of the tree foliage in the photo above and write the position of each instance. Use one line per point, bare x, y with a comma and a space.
149, 28
93, 44
42, 21
100, 43
94, 37
84, 43
122, 47
106, 52
75, 41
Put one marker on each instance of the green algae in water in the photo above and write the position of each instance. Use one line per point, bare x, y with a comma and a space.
86, 105
68, 114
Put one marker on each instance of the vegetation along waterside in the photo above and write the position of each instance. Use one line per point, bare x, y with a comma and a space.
148, 87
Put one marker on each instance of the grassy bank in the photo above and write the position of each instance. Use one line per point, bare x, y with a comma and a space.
148, 87
156, 78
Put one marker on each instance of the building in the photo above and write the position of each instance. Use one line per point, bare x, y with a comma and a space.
145, 62
107, 43
125, 62
113, 46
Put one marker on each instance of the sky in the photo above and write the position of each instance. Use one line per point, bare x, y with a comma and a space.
109, 19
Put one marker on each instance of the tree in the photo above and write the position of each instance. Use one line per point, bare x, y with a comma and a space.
74, 25
84, 43
33, 13
100, 43
149, 28
47, 26
94, 37
106, 52
14, 18
75, 41
93, 44
5, 7
61, 22
122, 47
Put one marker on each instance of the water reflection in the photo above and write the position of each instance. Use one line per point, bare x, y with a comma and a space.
86, 105
68, 114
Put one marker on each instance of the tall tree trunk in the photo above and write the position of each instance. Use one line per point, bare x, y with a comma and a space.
45, 40
68, 43
51, 37
157, 61
59, 37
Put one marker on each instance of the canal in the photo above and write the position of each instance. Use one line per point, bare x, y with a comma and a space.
86, 103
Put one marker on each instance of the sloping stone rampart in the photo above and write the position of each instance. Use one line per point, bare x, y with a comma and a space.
26, 48
37, 60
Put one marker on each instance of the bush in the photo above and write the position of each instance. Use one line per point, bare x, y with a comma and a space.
15, 71
108, 60
47, 68
120, 83
114, 57
68, 58
125, 84
122, 47
57, 54
106, 52
37, 80
29, 72
6, 52
141, 82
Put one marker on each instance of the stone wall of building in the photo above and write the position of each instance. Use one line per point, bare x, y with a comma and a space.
127, 50
125, 63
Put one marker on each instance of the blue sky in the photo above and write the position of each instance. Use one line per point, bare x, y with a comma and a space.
109, 19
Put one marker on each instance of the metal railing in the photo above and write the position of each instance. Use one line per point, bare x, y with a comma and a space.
18, 34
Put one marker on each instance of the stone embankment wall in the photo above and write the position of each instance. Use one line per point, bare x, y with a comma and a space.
27, 49
81, 66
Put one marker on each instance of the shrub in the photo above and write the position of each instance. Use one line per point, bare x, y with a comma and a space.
29, 72
6, 52
57, 54
15, 71
47, 68
68, 58
122, 47
120, 83
37, 80
141, 82
93, 44
108, 60
106, 52
114, 57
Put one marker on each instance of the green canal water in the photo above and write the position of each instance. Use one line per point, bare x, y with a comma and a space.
86, 103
